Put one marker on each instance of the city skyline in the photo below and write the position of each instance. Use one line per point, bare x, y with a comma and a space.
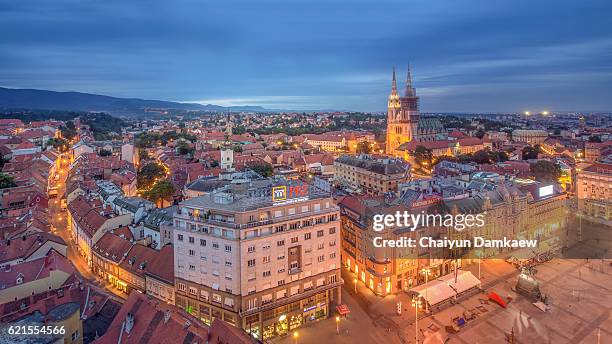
484, 57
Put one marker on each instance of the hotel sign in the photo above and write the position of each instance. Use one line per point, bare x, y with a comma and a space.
285, 194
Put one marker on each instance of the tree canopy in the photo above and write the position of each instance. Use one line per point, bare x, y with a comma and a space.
160, 191
6, 181
147, 174
546, 171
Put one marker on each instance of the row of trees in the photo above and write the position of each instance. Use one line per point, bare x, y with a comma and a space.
149, 140
103, 126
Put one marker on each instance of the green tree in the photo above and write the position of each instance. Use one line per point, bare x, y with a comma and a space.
58, 143
594, 138
104, 152
262, 169
423, 156
68, 131
163, 190
530, 152
237, 149
184, 149
364, 148
6, 181
148, 174
545, 171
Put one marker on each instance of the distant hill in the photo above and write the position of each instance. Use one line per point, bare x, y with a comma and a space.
76, 101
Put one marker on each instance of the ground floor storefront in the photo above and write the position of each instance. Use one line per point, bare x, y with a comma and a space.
284, 319
383, 285
267, 322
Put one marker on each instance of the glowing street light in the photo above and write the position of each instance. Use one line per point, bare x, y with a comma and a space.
527, 113
355, 282
426, 272
416, 304
337, 325
295, 337
545, 113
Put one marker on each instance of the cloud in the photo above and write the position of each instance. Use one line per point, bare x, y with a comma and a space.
477, 56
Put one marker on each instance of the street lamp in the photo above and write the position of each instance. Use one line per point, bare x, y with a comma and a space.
337, 324
416, 303
295, 337
355, 282
426, 272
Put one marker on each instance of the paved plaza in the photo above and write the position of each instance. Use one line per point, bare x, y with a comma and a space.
580, 295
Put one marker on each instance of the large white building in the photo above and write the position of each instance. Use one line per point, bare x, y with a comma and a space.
260, 254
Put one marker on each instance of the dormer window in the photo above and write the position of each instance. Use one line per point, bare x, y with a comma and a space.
19, 279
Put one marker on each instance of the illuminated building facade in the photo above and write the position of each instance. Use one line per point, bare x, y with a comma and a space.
404, 122
370, 175
262, 255
527, 211
594, 191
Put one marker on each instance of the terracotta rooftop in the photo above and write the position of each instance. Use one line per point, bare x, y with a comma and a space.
34, 270
22, 248
143, 319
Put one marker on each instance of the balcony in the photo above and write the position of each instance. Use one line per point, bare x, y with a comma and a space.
293, 271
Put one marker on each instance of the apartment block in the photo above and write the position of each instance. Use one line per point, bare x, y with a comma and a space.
260, 254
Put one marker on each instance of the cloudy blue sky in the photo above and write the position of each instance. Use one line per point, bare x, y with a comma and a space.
466, 55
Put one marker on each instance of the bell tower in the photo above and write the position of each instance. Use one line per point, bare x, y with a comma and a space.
402, 116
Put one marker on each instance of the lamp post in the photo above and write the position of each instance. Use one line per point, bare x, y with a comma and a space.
355, 283
426, 272
416, 304
337, 325
295, 337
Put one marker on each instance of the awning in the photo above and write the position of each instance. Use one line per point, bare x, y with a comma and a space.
343, 309
497, 299
445, 288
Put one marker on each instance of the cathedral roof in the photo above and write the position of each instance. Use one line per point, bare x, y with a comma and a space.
430, 123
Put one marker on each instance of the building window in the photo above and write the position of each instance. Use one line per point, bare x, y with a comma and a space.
216, 298
180, 237
267, 273
266, 259
215, 245
280, 282
307, 236
280, 243
251, 249
191, 267
191, 252
320, 258
193, 291
332, 255
251, 262
228, 248
332, 230
202, 242
181, 287
294, 240
191, 240
320, 233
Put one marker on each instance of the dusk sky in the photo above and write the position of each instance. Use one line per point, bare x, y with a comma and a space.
482, 56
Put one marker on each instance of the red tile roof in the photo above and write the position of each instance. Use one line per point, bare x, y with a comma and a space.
112, 247
35, 269
22, 248
162, 267
154, 322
